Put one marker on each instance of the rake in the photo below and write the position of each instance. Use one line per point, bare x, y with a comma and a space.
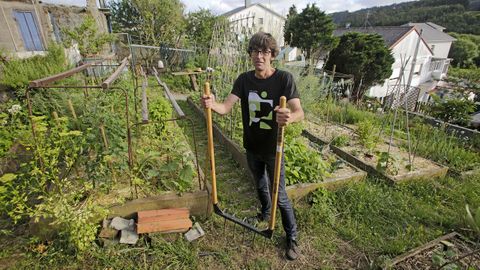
268, 233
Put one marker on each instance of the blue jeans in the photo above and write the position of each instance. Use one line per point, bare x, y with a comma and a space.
262, 168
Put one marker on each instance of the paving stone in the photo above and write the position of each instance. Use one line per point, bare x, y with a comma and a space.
194, 233
128, 237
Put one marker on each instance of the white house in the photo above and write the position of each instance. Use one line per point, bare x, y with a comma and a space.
438, 41
259, 18
415, 64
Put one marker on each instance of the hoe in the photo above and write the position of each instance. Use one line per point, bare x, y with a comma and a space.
268, 233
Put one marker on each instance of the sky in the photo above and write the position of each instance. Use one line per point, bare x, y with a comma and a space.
280, 6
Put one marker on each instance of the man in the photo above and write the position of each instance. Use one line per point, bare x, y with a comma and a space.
259, 91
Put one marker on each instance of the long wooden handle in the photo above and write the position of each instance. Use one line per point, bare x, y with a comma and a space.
211, 153
278, 166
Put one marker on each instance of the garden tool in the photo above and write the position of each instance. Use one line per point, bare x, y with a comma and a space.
268, 233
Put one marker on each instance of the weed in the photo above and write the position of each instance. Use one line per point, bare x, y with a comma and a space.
341, 140
367, 135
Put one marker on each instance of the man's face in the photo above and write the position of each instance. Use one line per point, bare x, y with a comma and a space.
261, 59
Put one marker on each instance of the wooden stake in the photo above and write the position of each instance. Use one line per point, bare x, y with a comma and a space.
104, 137
55, 117
72, 110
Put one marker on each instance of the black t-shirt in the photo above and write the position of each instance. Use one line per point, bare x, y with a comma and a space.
258, 99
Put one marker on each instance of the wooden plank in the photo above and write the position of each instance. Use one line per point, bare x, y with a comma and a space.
183, 73
176, 225
110, 80
46, 81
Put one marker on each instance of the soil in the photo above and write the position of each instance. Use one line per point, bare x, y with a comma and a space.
328, 131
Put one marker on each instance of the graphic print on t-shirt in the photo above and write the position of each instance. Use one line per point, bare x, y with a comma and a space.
260, 109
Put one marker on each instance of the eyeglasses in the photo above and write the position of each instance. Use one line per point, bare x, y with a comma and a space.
257, 52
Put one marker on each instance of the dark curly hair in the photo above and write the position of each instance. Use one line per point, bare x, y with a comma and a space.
263, 41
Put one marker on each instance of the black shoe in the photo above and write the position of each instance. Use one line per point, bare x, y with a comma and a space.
292, 251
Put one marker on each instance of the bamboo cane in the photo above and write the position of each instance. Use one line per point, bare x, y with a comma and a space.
72, 109
278, 167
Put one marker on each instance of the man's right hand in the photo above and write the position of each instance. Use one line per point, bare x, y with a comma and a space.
208, 101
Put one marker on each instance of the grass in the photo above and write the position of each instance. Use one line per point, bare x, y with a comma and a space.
337, 229
386, 221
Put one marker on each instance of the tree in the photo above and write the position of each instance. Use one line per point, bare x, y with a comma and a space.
125, 17
90, 41
311, 30
366, 57
463, 52
150, 22
200, 26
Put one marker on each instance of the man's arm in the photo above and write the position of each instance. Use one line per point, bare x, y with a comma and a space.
220, 108
293, 112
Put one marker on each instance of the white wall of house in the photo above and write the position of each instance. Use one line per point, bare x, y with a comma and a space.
260, 19
404, 52
440, 49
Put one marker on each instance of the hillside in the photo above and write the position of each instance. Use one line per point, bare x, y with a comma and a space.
462, 16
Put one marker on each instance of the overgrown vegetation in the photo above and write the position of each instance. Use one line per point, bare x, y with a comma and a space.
17, 73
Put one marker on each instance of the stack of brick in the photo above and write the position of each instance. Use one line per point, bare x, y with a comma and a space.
164, 220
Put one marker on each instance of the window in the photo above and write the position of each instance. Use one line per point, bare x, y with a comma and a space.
29, 30
260, 21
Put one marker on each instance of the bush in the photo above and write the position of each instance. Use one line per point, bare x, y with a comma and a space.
17, 73
367, 133
456, 111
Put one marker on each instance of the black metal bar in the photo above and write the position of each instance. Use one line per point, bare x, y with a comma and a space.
265, 233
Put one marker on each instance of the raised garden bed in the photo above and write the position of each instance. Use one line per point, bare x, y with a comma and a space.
342, 176
451, 251
353, 152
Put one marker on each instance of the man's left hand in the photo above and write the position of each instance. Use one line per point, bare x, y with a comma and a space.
283, 116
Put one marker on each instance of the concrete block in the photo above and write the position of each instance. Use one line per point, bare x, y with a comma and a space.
194, 233
119, 223
128, 237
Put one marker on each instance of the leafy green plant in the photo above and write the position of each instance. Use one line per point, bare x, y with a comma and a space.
90, 41
13, 123
367, 135
341, 140
387, 163
456, 111
302, 164
45, 187
17, 73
